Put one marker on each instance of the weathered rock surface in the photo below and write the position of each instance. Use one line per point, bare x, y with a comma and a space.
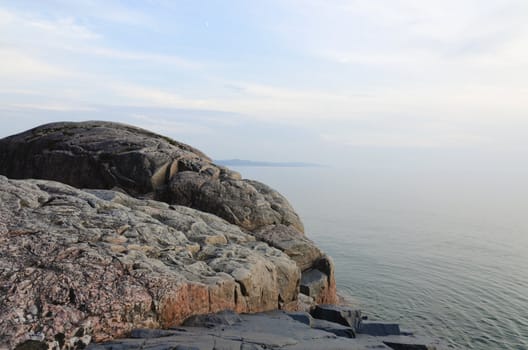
98, 263
270, 330
159, 233
106, 155
318, 270
292, 242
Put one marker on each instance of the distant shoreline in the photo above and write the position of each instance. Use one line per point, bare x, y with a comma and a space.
252, 163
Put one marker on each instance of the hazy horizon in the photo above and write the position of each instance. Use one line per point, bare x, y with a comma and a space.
417, 109
382, 84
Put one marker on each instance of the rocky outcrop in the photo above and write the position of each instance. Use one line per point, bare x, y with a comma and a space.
159, 233
101, 263
105, 155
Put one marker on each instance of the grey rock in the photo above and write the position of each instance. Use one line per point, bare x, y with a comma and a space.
270, 330
303, 317
159, 233
305, 303
101, 156
313, 282
150, 333
223, 318
70, 253
105, 155
291, 241
242, 202
379, 328
335, 328
339, 314
399, 342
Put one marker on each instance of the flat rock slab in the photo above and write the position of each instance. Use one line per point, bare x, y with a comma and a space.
379, 329
270, 330
338, 314
335, 328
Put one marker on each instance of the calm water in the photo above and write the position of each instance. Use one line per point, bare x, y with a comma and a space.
444, 255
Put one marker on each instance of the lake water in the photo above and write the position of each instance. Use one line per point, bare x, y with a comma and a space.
445, 255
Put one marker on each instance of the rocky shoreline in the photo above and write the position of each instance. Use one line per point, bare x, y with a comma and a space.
110, 231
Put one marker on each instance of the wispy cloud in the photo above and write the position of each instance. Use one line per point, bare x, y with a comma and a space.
17, 65
407, 138
170, 127
457, 68
57, 107
148, 58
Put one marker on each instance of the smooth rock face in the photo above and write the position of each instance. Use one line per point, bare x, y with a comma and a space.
102, 263
105, 155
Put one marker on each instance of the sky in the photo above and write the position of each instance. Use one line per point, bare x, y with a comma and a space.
362, 82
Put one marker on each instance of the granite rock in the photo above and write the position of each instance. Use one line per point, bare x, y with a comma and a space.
99, 263
151, 232
105, 155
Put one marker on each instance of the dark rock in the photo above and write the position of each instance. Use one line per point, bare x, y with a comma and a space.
405, 346
335, 328
339, 314
181, 347
32, 345
105, 155
223, 318
303, 317
150, 333
379, 329
399, 342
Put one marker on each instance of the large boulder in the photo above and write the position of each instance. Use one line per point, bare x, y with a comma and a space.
105, 155
151, 233
99, 263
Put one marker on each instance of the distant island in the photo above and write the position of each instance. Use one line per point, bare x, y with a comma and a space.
244, 162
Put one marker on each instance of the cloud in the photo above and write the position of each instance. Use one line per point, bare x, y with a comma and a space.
373, 32
166, 126
106, 10
19, 65
455, 68
67, 35
56, 107
148, 58
24, 28
407, 138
